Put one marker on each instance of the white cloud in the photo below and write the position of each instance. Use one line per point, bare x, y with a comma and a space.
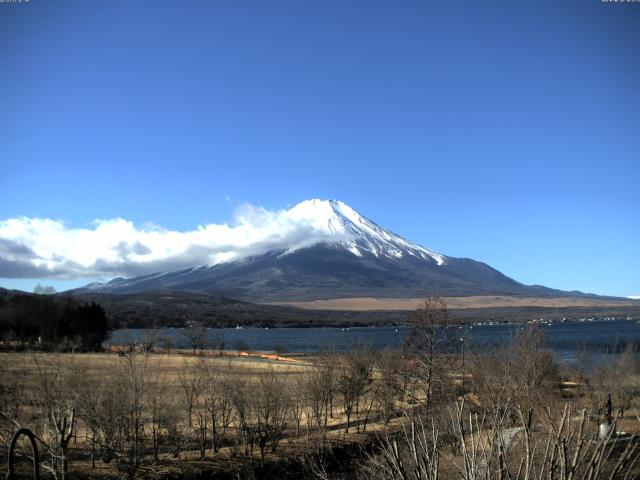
45, 248
634, 297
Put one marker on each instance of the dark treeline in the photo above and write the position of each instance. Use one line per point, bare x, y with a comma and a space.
177, 309
51, 322
160, 309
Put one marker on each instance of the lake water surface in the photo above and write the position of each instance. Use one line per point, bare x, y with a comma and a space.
569, 340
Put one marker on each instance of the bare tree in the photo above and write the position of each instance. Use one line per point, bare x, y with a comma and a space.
391, 384
196, 336
202, 411
12, 395
531, 364
558, 446
225, 383
167, 343
242, 402
131, 382
271, 411
189, 383
217, 390
58, 406
354, 377
426, 338
319, 389
104, 409
89, 412
157, 405
296, 401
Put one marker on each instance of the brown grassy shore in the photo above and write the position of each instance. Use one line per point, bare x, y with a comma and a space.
454, 303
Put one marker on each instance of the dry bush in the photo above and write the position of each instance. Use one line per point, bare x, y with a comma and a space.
618, 376
524, 373
12, 399
559, 446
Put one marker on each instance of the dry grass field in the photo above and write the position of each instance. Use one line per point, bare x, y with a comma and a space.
381, 304
169, 367
167, 379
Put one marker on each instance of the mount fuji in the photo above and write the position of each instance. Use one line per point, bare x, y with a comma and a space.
346, 255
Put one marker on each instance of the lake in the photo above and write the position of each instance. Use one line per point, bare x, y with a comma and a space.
569, 340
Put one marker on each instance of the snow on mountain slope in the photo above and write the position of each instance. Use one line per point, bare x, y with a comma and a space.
339, 220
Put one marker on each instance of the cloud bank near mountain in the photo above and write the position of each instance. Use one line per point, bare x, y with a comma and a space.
46, 248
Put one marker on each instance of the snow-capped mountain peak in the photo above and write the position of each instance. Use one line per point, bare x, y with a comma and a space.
343, 225
322, 249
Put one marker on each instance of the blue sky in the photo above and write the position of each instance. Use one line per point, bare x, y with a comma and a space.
507, 132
